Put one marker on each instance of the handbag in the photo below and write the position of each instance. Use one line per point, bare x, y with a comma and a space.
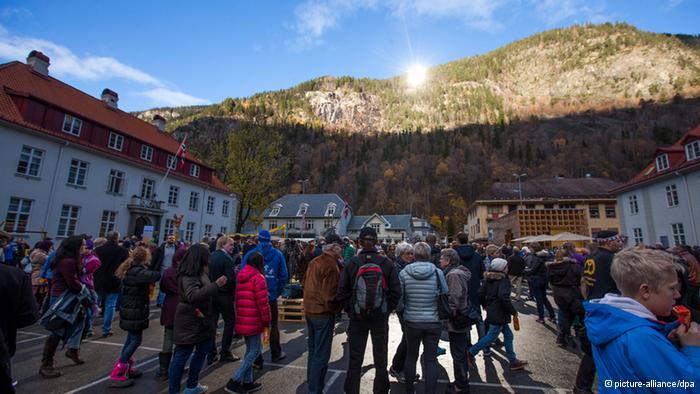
444, 310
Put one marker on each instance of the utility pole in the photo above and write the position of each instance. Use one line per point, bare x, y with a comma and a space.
303, 185
520, 188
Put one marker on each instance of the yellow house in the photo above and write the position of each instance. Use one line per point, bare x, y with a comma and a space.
553, 205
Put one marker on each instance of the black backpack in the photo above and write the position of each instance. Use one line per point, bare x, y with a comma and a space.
370, 288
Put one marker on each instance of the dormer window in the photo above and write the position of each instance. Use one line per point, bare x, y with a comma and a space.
194, 170
116, 141
330, 209
72, 125
662, 162
302, 209
692, 150
275, 210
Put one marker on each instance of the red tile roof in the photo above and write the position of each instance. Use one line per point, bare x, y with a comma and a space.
19, 79
677, 161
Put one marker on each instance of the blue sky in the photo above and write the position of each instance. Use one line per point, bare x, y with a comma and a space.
168, 53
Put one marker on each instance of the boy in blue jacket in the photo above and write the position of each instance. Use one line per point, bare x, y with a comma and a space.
629, 343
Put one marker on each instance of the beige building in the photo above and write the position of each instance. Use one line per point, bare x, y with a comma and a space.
551, 206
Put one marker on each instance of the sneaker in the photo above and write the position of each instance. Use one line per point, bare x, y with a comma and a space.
200, 389
234, 387
540, 321
487, 353
441, 351
107, 334
518, 365
252, 387
281, 357
228, 358
552, 320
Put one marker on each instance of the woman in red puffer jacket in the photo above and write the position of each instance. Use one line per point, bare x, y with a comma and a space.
252, 317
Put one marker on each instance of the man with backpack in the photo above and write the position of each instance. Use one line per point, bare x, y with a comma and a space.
369, 289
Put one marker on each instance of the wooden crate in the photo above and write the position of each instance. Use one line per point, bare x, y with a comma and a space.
291, 310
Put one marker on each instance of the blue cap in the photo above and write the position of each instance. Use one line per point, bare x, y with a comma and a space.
264, 236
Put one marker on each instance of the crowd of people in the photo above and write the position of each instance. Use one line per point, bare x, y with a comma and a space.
618, 303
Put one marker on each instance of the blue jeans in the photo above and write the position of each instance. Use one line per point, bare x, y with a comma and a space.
161, 298
253, 346
494, 330
110, 301
177, 365
320, 340
539, 286
133, 341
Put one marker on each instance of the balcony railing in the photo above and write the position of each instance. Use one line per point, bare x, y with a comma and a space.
146, 203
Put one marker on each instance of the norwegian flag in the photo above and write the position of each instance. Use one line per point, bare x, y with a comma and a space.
346, 211
181, 152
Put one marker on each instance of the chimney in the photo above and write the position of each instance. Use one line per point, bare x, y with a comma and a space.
159, 122
39, 62
110, 97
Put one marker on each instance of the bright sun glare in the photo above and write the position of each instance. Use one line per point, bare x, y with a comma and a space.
415, 76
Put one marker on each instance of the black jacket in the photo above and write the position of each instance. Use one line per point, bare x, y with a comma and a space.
221, 263
538, 266
193, 321
158, 256
564, 273
18, 308
134, 311
435, 255
472, 260
111, 255
596, 272
516, 265
349, 273
494, 295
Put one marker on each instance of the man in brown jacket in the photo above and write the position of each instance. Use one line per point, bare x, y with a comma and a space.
320, 307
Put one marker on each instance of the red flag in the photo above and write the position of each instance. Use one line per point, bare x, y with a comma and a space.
346, 211
182, 151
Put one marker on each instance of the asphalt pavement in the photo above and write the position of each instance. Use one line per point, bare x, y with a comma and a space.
550, 369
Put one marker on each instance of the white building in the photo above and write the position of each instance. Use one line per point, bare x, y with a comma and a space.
390, 228
661, 204
75, 164
307, 215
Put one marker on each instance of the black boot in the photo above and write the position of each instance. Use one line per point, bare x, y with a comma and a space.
164, 361
47, 369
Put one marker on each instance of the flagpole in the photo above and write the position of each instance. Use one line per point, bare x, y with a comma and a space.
181, 150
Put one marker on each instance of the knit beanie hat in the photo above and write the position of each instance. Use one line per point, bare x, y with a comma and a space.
498, 264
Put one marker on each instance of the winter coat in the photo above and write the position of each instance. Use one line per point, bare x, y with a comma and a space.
565, 278
495, 297
168, 285
596, 273
693, 267
472, 260
221, 263
421, 283
457, 279
252, 306
90, 264
65, 277
321, 286
516, 265
38, 257
111, 255
435, 255
348, 252
276, 273
193, 321
159, 256
18, 309
630, 345
134, 311
538, 266
349, 274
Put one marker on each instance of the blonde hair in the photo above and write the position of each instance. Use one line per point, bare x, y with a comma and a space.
223, 240
561, 253
139, 255
490, 249
635, 266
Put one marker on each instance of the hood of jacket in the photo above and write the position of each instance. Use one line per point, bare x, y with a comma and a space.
613, 315
493, 275
465, 252
420, 270
460, 269
560, 264
247, 274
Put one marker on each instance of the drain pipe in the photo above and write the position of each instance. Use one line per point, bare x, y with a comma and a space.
690, 207
52, 190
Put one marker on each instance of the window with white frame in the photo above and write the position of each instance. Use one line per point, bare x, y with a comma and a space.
330, 209
692, 150
68, 220
271, 224
309, 224
376, 226
18, 215
169, 227
116, 141
207, 230
672, 195
224, 207
194, 201
147, 188
634, 206
328, 223
30, 161
194, 170
678, 233
146, 152
275, 210
223, 229
77, 174
637, 235
189, 231
211, 201
115, 183
72, 125
291, 224
662, 162
303, 208
173, 195
109, 220
172, 162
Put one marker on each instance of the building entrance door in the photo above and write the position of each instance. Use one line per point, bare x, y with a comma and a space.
141, 221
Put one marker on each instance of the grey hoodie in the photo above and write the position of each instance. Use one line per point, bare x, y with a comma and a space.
419, 281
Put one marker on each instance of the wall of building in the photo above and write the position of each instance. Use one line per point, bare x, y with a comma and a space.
49, 191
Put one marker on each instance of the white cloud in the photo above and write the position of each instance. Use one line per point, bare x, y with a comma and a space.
477, 14
554, 12
171, 98
92, 68
314, 17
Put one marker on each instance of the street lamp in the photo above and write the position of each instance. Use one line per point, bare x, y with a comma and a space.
520, 188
